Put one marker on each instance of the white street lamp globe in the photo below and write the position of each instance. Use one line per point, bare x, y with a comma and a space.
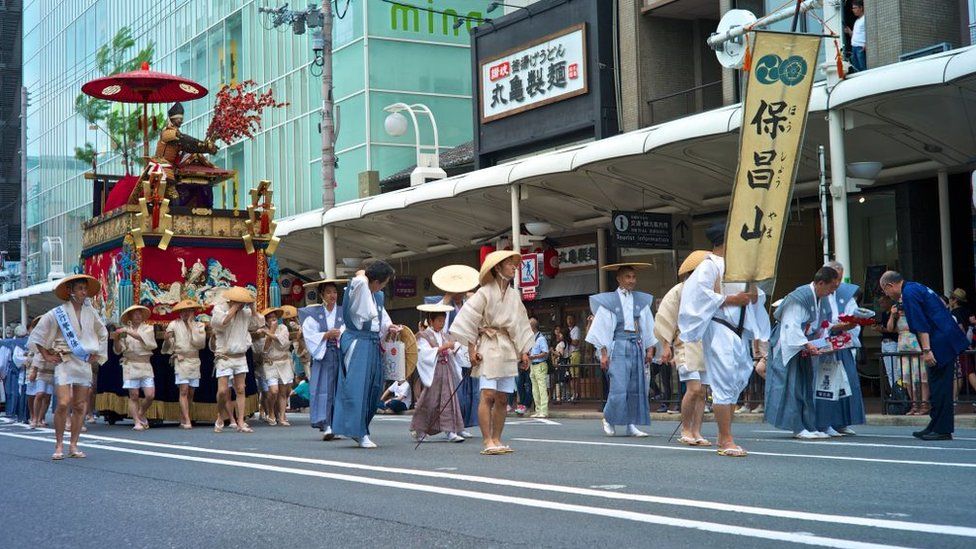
395, 124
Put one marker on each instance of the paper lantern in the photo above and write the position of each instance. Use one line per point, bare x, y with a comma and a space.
483, 253
550, 262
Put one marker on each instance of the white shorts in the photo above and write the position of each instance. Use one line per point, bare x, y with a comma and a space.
689, 375
502, 385
139, 383
63, 379
273, 381
232, 371
183, 381
31, 388
43, 387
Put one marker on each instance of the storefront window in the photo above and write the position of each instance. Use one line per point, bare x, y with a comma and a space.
874, 239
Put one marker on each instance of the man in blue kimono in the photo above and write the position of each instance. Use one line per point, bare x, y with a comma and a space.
941, 340
835, 417
790, 373
623, 334
321, 327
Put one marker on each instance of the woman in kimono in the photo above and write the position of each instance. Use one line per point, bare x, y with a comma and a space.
276, 365
183, 340
360, 383
457, 281
437, 409
494, 326
73, 337
135, 341
322, 325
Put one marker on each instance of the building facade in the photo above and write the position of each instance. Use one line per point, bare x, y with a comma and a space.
383, 53
10, 93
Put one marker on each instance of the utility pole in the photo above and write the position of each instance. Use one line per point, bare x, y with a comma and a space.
321, 23
24, 252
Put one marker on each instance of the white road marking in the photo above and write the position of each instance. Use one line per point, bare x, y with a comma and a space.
751, 453
864, 444
608, 486
859, 435
941, 529
718, 528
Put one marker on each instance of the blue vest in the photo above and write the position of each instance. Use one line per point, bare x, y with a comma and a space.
611, 302
844, 294
346, 303
318, 313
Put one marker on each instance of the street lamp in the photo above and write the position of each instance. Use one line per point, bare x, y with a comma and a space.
428, 158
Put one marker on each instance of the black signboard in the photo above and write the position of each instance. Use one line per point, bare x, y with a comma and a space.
643, 230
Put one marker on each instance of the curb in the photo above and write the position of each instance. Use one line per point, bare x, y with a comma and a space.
962, 421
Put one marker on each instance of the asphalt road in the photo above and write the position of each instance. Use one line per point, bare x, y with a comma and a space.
567, 485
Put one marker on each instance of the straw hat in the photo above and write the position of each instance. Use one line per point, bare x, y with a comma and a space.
693, 260
61, 290
618, 266
959, 294
187, 304
125, 314
336, 281
238, 294
288, 311
268, 310
435, 307
493, 259
455, 279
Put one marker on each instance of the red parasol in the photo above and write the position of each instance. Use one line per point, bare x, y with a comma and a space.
144, 86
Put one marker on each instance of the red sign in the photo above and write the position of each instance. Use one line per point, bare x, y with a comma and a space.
529, 271
500, 70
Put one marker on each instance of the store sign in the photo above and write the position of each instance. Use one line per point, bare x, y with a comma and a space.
405, 286
529, 276
536, 74
653, 231
576, 257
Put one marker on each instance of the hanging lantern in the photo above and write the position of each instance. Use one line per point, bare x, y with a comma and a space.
550, 262
483, 253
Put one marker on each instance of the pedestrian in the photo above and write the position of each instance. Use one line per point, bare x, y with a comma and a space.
790, 373
560, 359
835, 417
397, 398
539, 371
360, 381
182, 340
135, 342
494, 325
277, 367
231, 322
913, 374
73, 337
575, 356
858, 36
523, 386
889, 338
322, 326
623, 333
41, 374
688, 358
437, 410
717, 315
941, 343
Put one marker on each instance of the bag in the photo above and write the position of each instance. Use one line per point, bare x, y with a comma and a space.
898, 401
394, 360
832, 382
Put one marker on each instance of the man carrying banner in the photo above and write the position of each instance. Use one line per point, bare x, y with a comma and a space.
716, 316
73, 337
623, 334
790, 374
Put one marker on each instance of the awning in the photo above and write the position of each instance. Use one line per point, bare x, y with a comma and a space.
914, 117
40, 298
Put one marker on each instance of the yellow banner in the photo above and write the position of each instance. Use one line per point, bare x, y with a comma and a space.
774, 116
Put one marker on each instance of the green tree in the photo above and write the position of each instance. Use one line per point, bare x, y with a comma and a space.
122, 123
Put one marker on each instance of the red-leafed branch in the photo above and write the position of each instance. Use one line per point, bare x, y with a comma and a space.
238, 112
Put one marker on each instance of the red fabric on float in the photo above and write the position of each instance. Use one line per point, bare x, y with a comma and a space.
120, 193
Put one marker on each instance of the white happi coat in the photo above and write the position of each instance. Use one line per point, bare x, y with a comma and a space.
136, 352
91, 333
185, 347
232, 341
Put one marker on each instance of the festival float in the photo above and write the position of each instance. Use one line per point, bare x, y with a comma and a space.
156, 238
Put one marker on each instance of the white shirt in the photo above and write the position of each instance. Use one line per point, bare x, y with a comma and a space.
627, 308
312, 332
574, 335
363, 308
858, 34
401, 392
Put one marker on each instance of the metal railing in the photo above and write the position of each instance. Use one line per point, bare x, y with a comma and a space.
905, 388
682, 103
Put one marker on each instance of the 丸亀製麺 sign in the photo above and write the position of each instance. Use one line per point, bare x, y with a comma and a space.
650, 231
542, 72
774, 116
575, 257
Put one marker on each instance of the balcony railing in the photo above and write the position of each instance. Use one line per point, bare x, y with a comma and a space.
682, 103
